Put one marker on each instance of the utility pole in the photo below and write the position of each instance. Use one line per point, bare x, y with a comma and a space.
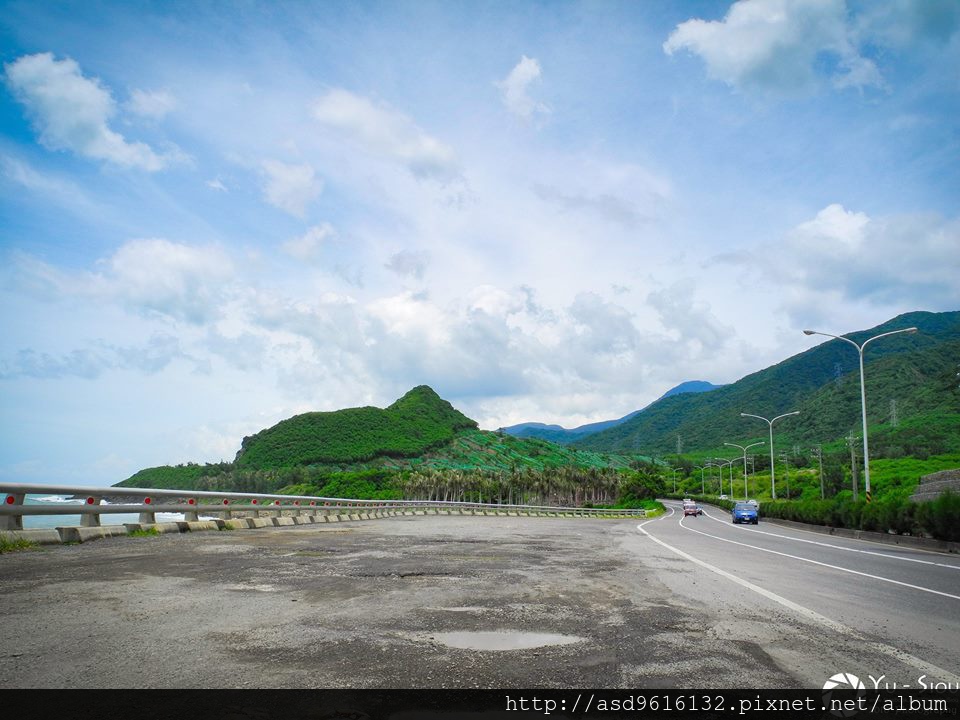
820, 458
853, 465
786, 471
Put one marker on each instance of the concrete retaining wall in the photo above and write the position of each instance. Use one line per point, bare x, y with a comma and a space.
935, 484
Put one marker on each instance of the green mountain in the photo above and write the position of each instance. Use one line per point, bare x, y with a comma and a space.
414, 424
564, 436
913, 373
420, 431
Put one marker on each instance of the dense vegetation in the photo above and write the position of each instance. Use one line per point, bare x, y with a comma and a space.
889, 514
414, 424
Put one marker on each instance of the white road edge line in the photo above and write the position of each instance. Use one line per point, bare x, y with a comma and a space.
883, 648
838, 547
822, 564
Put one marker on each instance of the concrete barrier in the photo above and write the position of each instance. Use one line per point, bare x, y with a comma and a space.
198, 525
86, 534
41, 536
238, 523
167, 527
282, 521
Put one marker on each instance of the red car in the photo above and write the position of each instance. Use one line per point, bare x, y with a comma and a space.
691, 508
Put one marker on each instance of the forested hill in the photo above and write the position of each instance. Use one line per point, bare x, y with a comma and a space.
417, 422
915, 371
419, 432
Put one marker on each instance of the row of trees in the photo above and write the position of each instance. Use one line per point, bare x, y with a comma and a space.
565, 485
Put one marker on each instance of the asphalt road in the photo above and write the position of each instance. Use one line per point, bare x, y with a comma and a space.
904, 603
437, 601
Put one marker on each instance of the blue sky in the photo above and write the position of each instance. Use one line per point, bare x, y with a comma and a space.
216, 215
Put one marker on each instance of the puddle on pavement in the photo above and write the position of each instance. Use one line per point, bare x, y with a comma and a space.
502, 640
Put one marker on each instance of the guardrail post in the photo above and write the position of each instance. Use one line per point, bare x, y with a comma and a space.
189, 516
12, 522
91, 519
147, 517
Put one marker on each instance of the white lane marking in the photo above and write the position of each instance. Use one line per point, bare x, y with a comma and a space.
883, 648
837, 547
822, 564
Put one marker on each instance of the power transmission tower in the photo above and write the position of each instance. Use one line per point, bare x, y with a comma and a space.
894, 420
837, 374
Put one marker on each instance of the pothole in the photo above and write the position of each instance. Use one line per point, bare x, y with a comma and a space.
500, 640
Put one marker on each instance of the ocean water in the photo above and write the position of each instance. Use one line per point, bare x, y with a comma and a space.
52, 521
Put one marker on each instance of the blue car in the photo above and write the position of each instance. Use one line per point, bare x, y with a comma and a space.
745, 512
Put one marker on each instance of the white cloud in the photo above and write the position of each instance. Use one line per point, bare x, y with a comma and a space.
167, 278
842, 261
217, 184
775, 45
71, 112
307, 247
515, 90
154, 104
151, 277
290, 188
388, 133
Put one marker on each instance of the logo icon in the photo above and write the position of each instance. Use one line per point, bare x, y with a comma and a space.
842, 681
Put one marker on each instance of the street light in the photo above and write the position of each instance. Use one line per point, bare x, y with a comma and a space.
773, 487
722, 463
744, 448
703, 486
863, 394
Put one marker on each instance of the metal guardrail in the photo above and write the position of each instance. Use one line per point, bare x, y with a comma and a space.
147, 502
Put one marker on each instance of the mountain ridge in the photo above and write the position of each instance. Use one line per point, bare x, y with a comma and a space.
564, 436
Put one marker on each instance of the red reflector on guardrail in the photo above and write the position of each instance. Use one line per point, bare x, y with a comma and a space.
147, 501
191, 501
313, 502
226, 502
276, 502
90, 501
10, 500
296, 502
254, 501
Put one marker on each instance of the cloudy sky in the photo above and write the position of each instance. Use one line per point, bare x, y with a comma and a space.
216, 215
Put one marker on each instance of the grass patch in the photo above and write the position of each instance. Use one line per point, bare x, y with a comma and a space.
13, 544
149, 532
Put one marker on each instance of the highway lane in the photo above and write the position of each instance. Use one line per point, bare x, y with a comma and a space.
902, 599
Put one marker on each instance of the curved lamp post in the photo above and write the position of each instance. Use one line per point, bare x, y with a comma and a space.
710, 465
722, 463
703, 486
863, 394
744, 448
773, 487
